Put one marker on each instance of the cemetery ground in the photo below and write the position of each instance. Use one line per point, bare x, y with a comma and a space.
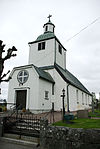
80, 123
87, 123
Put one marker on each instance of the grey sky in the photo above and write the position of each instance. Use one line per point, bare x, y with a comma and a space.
21, 21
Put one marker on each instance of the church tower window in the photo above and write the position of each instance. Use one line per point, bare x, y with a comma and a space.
60, 49
41, 46
46, 29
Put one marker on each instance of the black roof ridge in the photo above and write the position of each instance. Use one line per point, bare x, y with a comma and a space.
47, 67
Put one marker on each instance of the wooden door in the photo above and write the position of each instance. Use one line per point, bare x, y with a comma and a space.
21, 99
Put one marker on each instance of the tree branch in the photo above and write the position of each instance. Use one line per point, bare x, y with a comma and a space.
2, 60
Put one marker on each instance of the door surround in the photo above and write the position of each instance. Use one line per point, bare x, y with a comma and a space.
27, 96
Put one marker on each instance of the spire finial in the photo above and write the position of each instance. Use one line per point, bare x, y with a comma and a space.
49, 17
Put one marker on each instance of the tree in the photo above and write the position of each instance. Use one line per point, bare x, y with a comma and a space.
2, 60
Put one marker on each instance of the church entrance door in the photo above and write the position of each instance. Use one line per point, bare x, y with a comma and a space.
21, 99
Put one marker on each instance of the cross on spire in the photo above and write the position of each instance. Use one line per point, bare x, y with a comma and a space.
49, 17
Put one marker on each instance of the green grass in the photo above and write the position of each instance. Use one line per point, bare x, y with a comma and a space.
80, 123
95, 114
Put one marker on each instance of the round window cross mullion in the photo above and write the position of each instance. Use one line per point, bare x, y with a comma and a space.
22, 76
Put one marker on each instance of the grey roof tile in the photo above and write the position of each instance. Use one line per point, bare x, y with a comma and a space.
70, 78
46, 35
44, 75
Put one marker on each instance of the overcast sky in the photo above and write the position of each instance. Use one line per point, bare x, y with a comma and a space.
21, 21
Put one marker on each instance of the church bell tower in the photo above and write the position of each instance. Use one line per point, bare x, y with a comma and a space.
47, 49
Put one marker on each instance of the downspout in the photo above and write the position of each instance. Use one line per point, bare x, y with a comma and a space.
68, 99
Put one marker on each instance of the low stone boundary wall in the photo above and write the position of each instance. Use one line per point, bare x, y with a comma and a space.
69, 138
53, 137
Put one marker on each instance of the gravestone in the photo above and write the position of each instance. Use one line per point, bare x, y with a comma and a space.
82, 114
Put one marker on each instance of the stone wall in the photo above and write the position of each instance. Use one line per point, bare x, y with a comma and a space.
68, 138
53, 137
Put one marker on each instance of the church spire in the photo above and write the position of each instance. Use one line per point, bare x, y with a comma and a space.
49, 26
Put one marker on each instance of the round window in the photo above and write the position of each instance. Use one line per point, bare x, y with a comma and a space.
22, 76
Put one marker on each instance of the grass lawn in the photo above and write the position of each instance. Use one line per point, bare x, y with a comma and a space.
95, 114
80, 123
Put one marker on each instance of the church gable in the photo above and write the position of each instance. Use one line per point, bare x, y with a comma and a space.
22, 75
23, 72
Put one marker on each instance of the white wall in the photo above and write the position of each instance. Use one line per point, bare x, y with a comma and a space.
59, 85
60, 58
42, 57
42, 102
74, 105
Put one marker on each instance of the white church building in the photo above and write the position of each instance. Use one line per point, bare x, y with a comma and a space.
39, 85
